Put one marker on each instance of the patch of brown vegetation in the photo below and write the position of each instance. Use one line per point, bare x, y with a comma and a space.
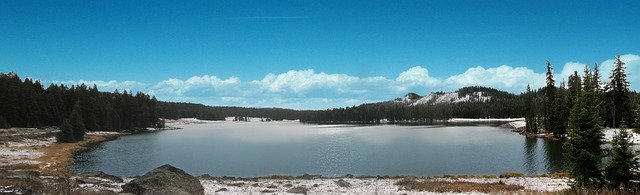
457, 186
58, 157
558, 175
511, 174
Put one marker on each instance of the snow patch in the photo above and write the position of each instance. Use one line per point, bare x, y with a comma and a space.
466, 120
453, 97
23, 152
366, 185
610, 133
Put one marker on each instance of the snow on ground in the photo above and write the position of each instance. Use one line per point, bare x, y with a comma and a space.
453, 97
315, 186
23, 152
610, 133
103, 133
541, 184
364, 186
104, 185
186, 121
466, 120
190, 121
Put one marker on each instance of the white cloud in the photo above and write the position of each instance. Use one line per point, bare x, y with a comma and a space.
307, 89
204, 83
111, 85
568, 70
417, 76
503, 77
301, 81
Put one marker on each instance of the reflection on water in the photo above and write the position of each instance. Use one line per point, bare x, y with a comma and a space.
257, 149
554, 156
530, 155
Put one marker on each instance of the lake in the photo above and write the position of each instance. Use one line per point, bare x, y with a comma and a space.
247, 149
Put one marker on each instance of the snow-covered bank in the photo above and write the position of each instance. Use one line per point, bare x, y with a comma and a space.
25, 151
610, 133
363, 186
187, 121
482, 120
191, 121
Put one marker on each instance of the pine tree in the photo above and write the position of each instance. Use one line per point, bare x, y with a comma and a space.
66, 132
550, 103
575, 85
620, 94
530, 119
637, 121
623, 163
75, 119
585, 132
560, 112
596, 79
3, 123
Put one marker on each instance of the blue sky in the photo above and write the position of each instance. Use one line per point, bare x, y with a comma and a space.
312, 54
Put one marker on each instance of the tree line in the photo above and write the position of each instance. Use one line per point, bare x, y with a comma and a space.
578, 113
26, 103
551, 112
174, 110
500, 105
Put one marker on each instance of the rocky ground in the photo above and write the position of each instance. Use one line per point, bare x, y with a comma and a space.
31, 161
320, 185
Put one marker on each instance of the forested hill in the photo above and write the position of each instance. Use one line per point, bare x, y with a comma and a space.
26, 103
468, 102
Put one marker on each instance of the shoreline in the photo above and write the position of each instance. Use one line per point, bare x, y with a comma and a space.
33, 162
315, 184
48, 167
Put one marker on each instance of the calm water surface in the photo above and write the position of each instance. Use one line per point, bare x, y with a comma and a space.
291, 148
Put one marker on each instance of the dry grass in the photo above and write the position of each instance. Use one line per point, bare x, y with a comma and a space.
558, 175
511, 174
458, 186
58, 157
56, 161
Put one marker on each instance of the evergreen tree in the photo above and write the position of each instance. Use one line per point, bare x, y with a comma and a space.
596, 79
550, 113
66, 132
623, 162
75, 119
638, 118
560, 112
3, 123
619, 94
530, 119
575, 85
585, 132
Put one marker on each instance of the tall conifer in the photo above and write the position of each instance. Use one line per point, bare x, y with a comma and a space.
585, 132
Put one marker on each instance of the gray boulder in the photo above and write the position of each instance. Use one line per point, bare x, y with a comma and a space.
165, 179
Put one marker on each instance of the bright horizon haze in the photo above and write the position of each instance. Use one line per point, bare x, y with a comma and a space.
313, 55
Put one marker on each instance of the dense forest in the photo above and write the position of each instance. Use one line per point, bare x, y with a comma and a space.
26, 103
172, 110
500, 105
550, 110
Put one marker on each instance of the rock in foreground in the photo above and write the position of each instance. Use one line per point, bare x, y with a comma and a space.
165, 179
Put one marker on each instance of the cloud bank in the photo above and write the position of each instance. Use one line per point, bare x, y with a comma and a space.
308, 89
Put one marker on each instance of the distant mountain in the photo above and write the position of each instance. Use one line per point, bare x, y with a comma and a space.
467, 102
466, 94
